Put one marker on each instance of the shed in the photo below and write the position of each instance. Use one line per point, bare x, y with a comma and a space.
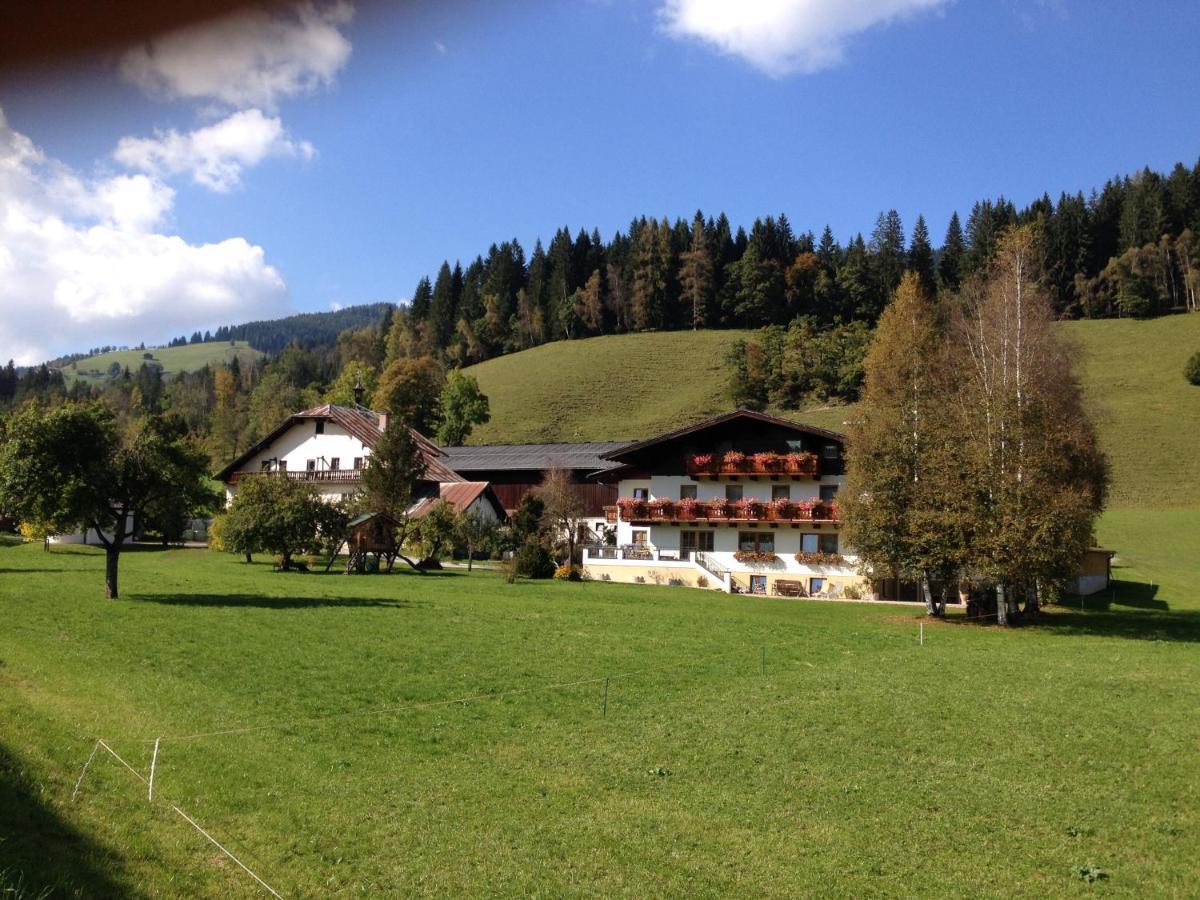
1095, 571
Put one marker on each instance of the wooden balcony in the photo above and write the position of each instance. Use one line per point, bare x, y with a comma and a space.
326, 476
777, 466
682, 512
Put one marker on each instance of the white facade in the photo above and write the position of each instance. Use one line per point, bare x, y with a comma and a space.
316, 445
653, 551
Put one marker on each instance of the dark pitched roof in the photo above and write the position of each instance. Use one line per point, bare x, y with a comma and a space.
359, 422
618, 454
515, 457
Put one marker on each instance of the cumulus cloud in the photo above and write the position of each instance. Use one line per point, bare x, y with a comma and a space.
214, 155
783, 37
81, 262
251, 58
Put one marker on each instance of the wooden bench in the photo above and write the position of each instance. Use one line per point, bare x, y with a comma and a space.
785, 588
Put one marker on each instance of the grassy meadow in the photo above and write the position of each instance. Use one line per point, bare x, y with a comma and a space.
750, 746
188, 358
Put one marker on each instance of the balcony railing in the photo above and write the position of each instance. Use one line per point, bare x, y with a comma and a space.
640, 512
774, 465
641, 552
319, 475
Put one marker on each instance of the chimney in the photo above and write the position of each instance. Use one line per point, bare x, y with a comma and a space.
358, 390
383, 420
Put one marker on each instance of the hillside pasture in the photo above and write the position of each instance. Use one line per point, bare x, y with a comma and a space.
447, 735
187, 358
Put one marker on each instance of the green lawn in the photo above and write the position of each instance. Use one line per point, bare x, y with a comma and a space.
188, 358
857, 763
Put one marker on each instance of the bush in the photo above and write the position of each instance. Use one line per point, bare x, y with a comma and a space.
216, 535
533, 560
1192, 370
567, 573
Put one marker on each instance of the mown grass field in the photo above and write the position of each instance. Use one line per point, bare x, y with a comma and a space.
750, 746
606, 388
188, 358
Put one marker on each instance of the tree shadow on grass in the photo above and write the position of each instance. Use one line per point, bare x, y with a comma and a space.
1128, 609
1180, 626
1132, 594
260, 601
41, 855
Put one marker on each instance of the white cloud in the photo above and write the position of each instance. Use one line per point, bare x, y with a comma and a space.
439, 47
250, 58
214, 155
80, 264
782, 37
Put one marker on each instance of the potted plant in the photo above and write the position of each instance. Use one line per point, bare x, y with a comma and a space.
782, 509
632, 508
686, 508
755, 557
734, 461
739, 509
799, 463
818, 558
766, 462
754, 508
702, 462
660, 508
718, 508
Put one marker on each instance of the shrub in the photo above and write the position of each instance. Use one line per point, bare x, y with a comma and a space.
701, 581
567, 573
1192, 370
533, 560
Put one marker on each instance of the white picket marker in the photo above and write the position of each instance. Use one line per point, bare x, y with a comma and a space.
79, 783
153, 763
921, 637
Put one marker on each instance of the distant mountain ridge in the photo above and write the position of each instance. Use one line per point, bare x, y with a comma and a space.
312, 330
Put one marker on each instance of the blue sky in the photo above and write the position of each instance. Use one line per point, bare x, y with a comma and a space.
431, 131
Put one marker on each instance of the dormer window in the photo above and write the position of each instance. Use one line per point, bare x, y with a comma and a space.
320, 426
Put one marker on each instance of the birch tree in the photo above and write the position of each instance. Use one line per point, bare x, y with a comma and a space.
1039, 477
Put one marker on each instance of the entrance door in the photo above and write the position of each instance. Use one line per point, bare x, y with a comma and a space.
758, 584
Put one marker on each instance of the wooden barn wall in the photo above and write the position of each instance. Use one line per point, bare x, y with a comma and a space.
595, 496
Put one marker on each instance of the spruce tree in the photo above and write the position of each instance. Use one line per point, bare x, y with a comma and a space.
951, 258
920, 257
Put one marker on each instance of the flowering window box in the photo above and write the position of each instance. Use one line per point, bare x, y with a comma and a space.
660, 509
820, 559
718, 509
781, 510
703, 463
756, 557
632, 509
768, 462
686, 509
734, 461
802, 463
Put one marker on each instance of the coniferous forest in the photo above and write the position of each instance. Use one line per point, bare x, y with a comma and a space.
1129, 249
